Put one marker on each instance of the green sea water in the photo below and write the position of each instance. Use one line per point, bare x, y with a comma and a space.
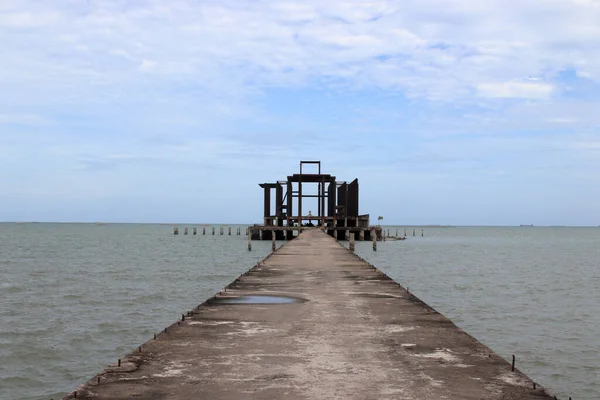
76, 297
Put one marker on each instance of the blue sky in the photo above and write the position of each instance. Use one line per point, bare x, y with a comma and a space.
448, 112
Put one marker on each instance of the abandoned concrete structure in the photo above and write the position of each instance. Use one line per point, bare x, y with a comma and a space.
337, 208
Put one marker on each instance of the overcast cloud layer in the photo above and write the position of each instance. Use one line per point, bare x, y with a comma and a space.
448, 112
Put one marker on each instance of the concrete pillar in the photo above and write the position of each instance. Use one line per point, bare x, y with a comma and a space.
347, 234
185, 231
195, 231
175, 230
351, 241
374, 236
273, 243
361, 235
213, 230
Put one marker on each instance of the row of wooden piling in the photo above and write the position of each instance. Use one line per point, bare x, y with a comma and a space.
238, 231
414, 233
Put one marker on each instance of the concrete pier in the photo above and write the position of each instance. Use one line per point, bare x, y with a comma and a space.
312, 321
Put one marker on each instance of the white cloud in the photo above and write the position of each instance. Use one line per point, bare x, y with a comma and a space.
23, 119
439, 50
523, 90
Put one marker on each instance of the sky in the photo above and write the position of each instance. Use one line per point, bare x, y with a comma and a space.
448, 112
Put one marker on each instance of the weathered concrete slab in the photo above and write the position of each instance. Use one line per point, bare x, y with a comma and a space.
353, 334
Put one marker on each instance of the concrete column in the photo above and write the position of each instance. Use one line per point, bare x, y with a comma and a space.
374, 236
361, 235
351, 241
273, 243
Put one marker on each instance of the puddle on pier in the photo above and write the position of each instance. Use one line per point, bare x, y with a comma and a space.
258, 299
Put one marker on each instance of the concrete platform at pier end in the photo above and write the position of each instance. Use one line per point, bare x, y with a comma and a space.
338, 330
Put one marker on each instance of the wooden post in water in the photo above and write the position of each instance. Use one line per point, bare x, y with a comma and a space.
195, 231
185, 231
422, 232
221, 230
413, 231
404, 232
374, 236
249, 239
175, 230
204, 230
229, 231
396, 232
213, 230
351, 247
273, 244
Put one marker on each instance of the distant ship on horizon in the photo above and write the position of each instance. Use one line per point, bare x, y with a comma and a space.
527, 225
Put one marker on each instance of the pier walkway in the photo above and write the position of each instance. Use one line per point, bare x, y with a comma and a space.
333, 328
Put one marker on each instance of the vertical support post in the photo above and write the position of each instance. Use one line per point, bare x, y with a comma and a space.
185, 230
273, 243
396, 232
203, 230
351, 241
289, 208
267, 205
175, 230
374, 236
213, 230
413, 231
404, 232
318, 201
422, 232
229, 231
300, 201
347, 234
249, 239
361, 235
221, 230
195, 231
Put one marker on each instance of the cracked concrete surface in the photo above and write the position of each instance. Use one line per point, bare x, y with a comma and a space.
358, 335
